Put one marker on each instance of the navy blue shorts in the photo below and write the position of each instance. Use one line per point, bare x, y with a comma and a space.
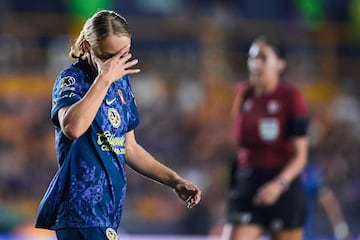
87, 234
289, 212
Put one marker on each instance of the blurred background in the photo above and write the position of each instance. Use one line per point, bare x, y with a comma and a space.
192, 53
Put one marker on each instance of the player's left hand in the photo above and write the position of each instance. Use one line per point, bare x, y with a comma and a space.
268, 194
188, 192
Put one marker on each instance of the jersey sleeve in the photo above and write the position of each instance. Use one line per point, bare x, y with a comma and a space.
66, 91
299, 119
298, 106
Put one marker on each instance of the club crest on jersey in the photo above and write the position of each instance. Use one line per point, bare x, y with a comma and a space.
273, 106
67, 81
114, 117
121, 95
111, 234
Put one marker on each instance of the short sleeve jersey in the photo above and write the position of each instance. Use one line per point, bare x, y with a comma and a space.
89, 187
264, 125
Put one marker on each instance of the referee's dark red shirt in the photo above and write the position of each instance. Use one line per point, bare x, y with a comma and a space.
265, 125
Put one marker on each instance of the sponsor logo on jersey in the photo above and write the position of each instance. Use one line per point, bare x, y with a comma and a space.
114, 117
111, 234
67, 81
109, 142
109, 102
67, 84
55, 101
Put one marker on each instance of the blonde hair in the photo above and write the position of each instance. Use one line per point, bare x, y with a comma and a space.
96, 28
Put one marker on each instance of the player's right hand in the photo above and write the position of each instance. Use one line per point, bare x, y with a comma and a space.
117, 66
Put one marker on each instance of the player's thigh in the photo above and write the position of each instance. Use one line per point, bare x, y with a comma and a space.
290, 211
293, 234
242, 232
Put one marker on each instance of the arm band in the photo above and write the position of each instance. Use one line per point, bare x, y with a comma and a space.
298, 126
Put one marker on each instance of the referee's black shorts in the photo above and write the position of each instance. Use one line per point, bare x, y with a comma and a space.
289, 212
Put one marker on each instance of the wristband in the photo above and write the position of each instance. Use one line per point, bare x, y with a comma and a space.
283, 183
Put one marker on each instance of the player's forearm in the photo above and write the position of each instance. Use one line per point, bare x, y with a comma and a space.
331, 206
145, 164
297, 163
77, 118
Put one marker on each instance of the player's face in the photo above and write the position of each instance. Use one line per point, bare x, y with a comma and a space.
110, 46
263, 64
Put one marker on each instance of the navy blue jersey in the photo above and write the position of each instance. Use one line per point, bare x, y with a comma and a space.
89, 187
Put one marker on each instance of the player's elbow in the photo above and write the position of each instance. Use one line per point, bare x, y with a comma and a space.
130, 151
72, 131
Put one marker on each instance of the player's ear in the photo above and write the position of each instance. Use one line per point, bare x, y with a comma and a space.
85, 45
282, 65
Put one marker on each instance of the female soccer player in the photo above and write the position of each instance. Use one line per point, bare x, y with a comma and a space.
270, 125
94, 114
